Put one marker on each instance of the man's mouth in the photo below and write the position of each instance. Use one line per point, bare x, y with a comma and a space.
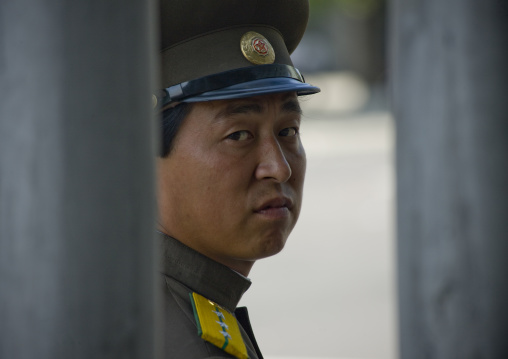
277, 207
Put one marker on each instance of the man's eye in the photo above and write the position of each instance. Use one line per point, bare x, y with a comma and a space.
239, 135
289, 132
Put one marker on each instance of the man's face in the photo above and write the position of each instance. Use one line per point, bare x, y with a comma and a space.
231, 188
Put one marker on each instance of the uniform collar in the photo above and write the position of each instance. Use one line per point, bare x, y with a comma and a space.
202, 274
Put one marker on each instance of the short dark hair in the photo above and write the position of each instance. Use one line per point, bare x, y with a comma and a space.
170, 123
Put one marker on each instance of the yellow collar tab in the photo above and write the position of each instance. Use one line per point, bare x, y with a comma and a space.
218, 326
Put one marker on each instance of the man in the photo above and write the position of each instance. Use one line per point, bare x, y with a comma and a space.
231, 171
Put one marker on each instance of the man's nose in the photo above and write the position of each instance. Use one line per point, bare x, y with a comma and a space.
273, 163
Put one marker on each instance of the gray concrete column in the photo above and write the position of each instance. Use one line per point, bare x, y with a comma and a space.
76, 182
449, 66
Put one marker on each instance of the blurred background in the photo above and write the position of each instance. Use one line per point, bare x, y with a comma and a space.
331, 292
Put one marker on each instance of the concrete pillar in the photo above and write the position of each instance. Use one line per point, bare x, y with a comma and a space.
76, 182
449, 67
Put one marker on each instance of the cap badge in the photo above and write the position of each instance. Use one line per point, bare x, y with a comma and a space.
257, 49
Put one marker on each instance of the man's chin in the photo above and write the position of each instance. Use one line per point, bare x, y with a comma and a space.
270, 247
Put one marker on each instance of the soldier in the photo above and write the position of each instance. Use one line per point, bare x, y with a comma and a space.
231, 169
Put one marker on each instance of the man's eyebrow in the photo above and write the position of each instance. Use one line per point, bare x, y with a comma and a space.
290, 106
293, 105
240, 108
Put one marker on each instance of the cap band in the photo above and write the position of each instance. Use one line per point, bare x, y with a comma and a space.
228, 78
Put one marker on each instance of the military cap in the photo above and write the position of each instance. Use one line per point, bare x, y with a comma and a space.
225, 49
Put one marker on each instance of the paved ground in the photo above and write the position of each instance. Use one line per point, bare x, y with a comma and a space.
330, 293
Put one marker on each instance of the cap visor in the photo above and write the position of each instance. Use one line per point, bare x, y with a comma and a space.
256, 88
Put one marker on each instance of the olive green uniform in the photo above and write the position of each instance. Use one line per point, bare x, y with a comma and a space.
185, 271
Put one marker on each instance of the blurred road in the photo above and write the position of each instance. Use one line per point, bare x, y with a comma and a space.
331, 292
